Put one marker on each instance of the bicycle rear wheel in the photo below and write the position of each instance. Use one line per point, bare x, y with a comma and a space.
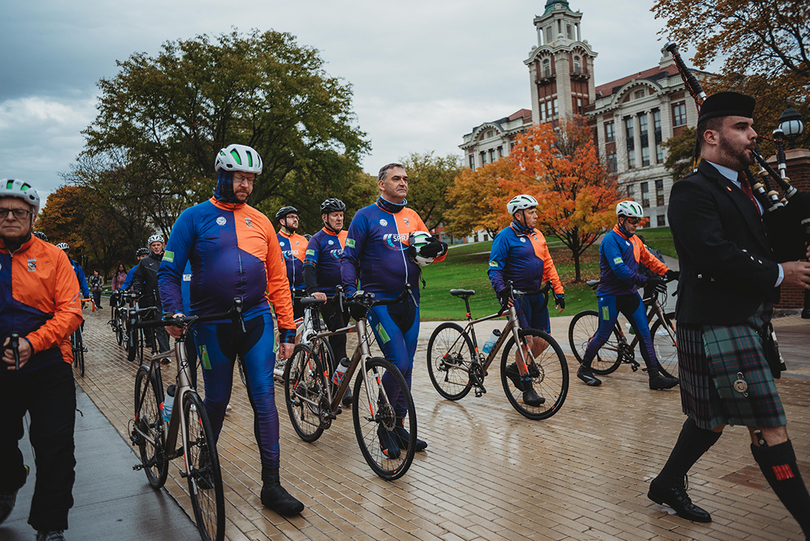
132, 343
582, 329
450, 356
374, 413
548, 370
204, 475
78, 351
147, 434
305, 392
665, 348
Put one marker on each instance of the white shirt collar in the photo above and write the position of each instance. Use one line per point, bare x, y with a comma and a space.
730, 174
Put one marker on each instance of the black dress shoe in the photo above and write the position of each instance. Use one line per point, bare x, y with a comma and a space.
677, 498
586, 375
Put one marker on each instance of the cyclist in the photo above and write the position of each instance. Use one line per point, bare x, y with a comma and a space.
77, 269
234, 252
293, 247
621, 252
322, 273
140, 253
96, 282
145, 285
520, 254
376, 255
39, 301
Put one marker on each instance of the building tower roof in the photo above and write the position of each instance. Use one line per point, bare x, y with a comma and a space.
551, 4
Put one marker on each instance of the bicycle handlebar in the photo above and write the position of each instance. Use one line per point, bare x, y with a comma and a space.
235, 313
516, 293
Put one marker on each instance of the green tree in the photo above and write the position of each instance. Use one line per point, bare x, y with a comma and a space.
429, 178
471, 198
680, 152
163, 118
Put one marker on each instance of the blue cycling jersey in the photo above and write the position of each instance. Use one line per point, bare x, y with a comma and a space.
323, 254
293, 247
81, 278
619, 258
523, 259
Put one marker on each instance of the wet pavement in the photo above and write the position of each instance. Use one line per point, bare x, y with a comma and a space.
488, 473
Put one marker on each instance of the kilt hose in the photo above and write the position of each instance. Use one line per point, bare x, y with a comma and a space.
711, 358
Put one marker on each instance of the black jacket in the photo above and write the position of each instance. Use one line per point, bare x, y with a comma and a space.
145, 282
726, 263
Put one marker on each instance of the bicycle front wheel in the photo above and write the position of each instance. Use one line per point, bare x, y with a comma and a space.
147, 434
305, 392
450, 356
384, 409
665, 348
582, 329
132, 344
548, 371
204, 475
78, 351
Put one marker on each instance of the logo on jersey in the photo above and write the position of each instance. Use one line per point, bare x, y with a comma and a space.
32, 265
522, 239
221, 220
336, 253
310, 252
186, 277
350, 243
281, 243
617, 260
627, 243
383, 222
331, 242
391, 238
493, 264
248, 222
406, 222
169, 256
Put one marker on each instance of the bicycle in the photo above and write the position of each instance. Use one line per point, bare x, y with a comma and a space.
118, 301
156, 439
135, 336
456, 365
313, 402
77, 346
617, 350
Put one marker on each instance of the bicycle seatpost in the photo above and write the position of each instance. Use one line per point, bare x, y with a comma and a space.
14, 344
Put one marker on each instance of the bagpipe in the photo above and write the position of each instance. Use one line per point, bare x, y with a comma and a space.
786, 218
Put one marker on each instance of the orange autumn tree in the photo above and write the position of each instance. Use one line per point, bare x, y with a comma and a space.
560, 167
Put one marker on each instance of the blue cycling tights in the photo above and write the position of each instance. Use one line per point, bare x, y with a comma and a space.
633, 309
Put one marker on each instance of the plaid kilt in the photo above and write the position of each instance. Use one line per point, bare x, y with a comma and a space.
711, 358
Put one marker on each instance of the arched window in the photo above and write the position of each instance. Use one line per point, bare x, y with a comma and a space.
577, 65
546, 67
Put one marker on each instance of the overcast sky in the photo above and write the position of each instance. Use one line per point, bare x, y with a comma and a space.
424, 73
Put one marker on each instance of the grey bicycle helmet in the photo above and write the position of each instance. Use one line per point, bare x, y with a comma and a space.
63, 246
41, 235
10, 187
141, 251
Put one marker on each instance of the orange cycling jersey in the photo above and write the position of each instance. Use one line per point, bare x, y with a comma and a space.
39, 300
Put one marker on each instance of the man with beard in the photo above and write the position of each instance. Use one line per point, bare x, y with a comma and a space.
293, 248
729, 282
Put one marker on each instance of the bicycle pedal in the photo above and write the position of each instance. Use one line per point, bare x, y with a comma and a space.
339, 411
480, 391
137, 467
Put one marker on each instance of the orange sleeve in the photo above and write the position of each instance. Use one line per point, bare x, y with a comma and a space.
278, 288
67, 308
549, 270
650, 261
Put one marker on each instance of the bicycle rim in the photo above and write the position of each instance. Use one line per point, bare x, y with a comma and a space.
149, 425
548, 370
665, 349
304, 381
581, 331
449, 357
374, 411
204, 474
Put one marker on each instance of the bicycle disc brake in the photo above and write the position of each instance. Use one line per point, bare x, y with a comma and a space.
477, 379
325, 414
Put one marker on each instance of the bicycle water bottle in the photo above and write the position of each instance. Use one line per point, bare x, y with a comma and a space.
340, 371
490, 343
168, 403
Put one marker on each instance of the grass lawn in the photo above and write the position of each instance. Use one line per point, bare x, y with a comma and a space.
466, 268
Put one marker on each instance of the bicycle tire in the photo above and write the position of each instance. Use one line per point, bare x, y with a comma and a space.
549, 376
204, 474
119, 328
368, 422
448, 362
580, 332
665, 349
241, 371
78, 351
304, 378
149, 420
132, 344
327, 357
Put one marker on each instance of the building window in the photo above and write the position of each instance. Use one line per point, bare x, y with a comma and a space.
645, 156
631, 142
492, 155
679, 114
579, 106
611, 162
610, 133
472, 161
642, 128
570, 32
577, 64
546, 67
548, 34
556, 109
483, 158
638, 94
659, 192
659, 150
631, 192
500, 152
645, 194
662, 221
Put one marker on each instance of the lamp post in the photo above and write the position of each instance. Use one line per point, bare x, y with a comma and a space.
791, 125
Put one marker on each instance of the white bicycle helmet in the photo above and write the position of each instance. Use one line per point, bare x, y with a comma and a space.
63, 246
238, 158
155, 238
631, 209
418, 240
10, 187
521, 202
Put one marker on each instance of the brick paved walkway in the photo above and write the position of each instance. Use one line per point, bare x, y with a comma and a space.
488, 473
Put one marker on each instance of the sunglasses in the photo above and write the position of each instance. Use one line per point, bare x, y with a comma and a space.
633, 221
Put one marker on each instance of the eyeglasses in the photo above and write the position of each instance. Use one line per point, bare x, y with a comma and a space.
20, 214
239, 179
